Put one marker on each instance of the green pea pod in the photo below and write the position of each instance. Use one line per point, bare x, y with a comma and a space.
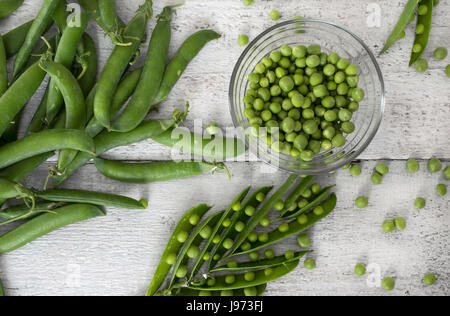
318, 199
47, 223
44, 142
293, 197
187, 52
153, 71
217, 231
261, 277
22, 212
15, 38
65, 55
408, 12
61, 15
2, 292
267, 207
216, 148
118, 62
174, 246
7, 7
9, 190
109, 140
39, 122
262, 264
88, 60
422, 39
154, 171
74, 100
95, 198
92, 7
37, 29
18, 94
3, 69
108, 13
294, 227
260, 289
239, 217
194, 240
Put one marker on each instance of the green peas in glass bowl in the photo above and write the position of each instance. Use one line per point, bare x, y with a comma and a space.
314, 89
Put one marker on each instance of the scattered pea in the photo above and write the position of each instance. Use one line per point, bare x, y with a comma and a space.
382, 168
429, 279
304, 241
362, 202
421, 65
360, 270
355, 170
247, 2
388, 284
377, 178
434, 165
389, 226
412, 165
310, 264
420, 203
400, 223
447, 70
441, 189
243, 40
447, 173
275, 15
440, 53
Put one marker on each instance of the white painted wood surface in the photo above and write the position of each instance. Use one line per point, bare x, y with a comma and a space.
117, 255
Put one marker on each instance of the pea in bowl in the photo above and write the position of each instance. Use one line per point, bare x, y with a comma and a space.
307, 96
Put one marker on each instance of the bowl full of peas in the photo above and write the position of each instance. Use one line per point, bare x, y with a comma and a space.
308, 96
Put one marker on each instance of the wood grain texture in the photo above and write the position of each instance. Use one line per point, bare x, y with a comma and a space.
117, 255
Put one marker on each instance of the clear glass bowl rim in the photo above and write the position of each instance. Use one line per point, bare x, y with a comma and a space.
252, 44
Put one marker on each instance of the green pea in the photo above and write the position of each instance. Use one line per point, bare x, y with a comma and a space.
181, 272
310, 264
421, 65
382, 168
275, 15
320, 91
299, 51
287, 84
263, 237
249, 276
206, 232
280, 72
304, 241
429, 279
226, 293
389, 226
237, 206
216, 257
339, 141
232, 264
412, 165
314, 49
252, 237
441, 189
400, 223
388, 284
265, 221
171, 258
268, 271
313, 61
246, 246
285, 62
253, 256
376, 178
417, 48
283, 228
420, 203
216, 239
207, 256
286, 50
326, 145
182, 236
307, 194
434, 165
204, 293
250, 291
440, 53
303, 219
248, 2
360, 270
226, 222
230, 279
318, 210
310, 127
243, 40
194, 219
358, 94
211, 282
352, 70
362, 202
447, 70
353, 106
348, 127
260, 197
422, 10
193, 252
420, 29
447, 173
289, 255
333, 58
228, 243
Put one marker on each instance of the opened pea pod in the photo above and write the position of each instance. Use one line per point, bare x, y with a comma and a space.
247, 291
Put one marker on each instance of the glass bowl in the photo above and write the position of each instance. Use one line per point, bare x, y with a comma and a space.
332, 38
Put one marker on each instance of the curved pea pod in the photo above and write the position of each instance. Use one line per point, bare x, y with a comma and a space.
260, 289
216, 148
266, 208
117, 64
141, 102
37, 29
22, 212
44, 142
173, 247
262, 264
422, 39
318, 199
7, 7
47, 223
404, 20
299, 190
87, 58
187, 52
195, 239
91, 6
217, 231
261, 277
154, 171
294, 227
18, 95
14, 39
95, 198
239, 217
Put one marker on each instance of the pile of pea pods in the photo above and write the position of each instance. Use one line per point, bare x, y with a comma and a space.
77, 114
220, 255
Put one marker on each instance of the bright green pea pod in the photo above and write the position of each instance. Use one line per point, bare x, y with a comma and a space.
15, 38
216, 148
37, 29
95, 198
22, 212
47, 223
239, 217
151, 77
88, 60
18, 94
260, 289
60, 15
267, 207
294, 227
318, 199
154, 171
118, 62
194, 240
7, 7
108, 13
422, 39
38, 122
292, 199
261, 277
174, 246
261, 264
3, 69
217, 231
9, 189
44, 142
92, 7
187, 52
404, 20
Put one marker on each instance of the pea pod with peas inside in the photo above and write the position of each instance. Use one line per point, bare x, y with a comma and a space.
7, 7
23, 212
46, 223
175, 244
255, 291
424, 22
291, 201
153, 71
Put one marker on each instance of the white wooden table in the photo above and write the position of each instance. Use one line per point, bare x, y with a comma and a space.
117, 255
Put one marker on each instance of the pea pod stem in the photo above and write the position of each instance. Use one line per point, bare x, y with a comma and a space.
46, 223
423, 38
